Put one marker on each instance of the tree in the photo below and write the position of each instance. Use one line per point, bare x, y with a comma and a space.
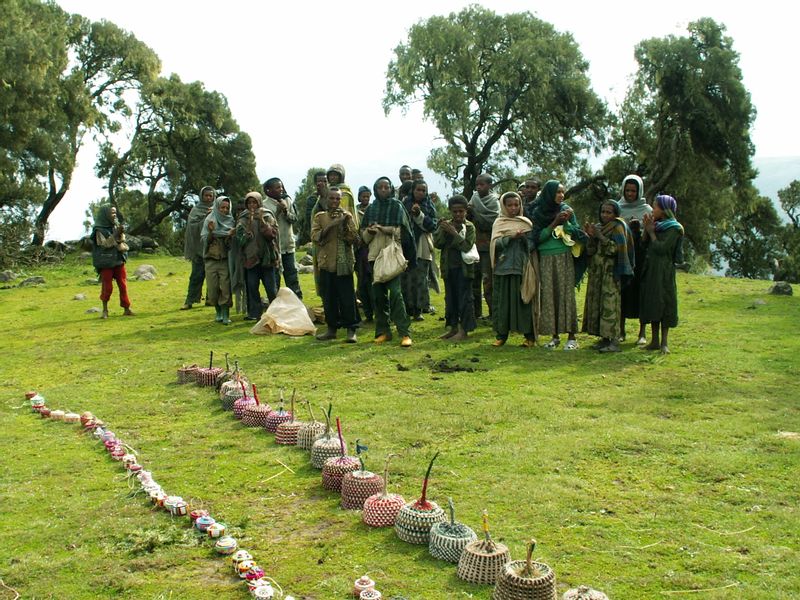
789, 262
686, 123
184, 137
500, 89
107, 63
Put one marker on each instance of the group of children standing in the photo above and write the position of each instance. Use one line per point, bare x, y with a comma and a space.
527, 251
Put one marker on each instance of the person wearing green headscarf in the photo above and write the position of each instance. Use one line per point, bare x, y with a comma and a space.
193, 246
109, 255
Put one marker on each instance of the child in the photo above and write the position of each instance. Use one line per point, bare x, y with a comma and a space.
454, 237
333, 233
109, 255
633, 207
611, 252
193, 246
257, 233
662, 242
555, 232
385, 222
216, 235
363, 272
510, 258
280, 204
422, 214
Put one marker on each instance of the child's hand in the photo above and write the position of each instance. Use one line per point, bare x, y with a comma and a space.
211, 225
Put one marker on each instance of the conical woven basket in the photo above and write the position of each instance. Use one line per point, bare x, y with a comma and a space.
334, 469
276, 417
413, 524
240, 404
381, 510
357, 486
482, 560
448, 540
208, 377
227, 374
286, 433
231, 391
525, 580
309, 433
256, 415
188, 374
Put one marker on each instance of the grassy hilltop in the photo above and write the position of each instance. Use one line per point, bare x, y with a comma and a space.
641, 475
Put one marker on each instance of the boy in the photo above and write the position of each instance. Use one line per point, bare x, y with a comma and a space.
483, 210
279, 203
363, 271
454, 237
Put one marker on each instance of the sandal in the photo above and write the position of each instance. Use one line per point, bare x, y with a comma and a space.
571, 345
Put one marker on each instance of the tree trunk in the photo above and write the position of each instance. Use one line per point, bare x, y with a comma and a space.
55, 194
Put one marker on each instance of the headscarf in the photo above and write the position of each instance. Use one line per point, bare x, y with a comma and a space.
638, 208
104, 220
506, 225
546, 209
619, 232
223, 224
670, 206
362, 189
192, 245
256, 246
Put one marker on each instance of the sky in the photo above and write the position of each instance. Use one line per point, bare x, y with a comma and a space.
306, 82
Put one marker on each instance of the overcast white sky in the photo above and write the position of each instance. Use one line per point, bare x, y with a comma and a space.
305, 80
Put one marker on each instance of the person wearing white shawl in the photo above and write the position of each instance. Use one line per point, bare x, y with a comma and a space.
216, 235
482, 210
514, 275
193, 247
633, 207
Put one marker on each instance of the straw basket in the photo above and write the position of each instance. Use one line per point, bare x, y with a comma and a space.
482, 560
448, 540
526, 580
309, 433
226, 375
334, 470
414, 522
286, 432
357, 486
256, 415
276, 417
188, 374
327, 446
208, 377
380, 510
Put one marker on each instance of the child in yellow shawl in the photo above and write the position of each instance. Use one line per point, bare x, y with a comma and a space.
510, 250
611, 252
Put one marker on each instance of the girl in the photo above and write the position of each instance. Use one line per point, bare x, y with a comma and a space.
555, 232
257, 234
509, 251
662, 241
610, 248
422, 214
633, 208
385, 221
216, 235
453, 238
109, 255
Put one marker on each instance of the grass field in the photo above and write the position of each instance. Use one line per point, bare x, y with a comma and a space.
642, 475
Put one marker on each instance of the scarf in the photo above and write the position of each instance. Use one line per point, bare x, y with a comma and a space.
638, 208
484, 210
223, 224
617, 230
391, 212
192, 246
670, 206
506, 225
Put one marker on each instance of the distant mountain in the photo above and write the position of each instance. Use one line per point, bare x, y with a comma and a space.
776, 173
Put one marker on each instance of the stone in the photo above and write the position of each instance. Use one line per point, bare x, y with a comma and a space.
145, 269
35, 280
94, 309
584, 592
304, 269
145, 277
85, 256
79, 297
92, 282
781, 288
7, 276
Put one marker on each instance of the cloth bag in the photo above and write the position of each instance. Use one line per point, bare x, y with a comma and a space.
286, 314
389, 264
472, 256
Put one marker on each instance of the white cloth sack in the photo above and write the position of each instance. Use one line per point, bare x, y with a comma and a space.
286, 314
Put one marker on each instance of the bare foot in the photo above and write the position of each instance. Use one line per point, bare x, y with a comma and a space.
104, 314
459, 336
664, 349
652, 346
127, 312
449, 334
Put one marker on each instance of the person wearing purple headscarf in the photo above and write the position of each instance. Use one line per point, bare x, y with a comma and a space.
662, 242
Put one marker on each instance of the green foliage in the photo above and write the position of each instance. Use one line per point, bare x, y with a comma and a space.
307, 188
638, 474
500, 89
789, 262
685, 124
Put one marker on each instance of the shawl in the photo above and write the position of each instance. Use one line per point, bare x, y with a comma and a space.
391, 212
223, 224
255, 246
192, 245
506, 225
617, 230
484, 210
637, 209
103, 220
669, 205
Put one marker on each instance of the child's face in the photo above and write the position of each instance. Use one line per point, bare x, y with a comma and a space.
606, 214
420, 192
383, 189
658, 212
208, 196
631, 192
482, 187
224, 207
252, 204
560, 194
334, 178
459, 213
363, 198
334, 200
512, 206
320, 182
275, 190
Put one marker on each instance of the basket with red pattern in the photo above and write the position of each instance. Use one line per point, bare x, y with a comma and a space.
243, 402
208, 377
256, 415
359, 485
380, 510
335, 468
326, 445
276, 417
286, 432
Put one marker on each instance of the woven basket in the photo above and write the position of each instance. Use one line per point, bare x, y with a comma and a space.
309, 433
256, 415
276, 417
286, 433
232, 390
413, 524
357, 486
448, 540
242, 403
208, 377
334, 470
188, 374
327, 446
227, 374
482, 560
526, 580
380, 510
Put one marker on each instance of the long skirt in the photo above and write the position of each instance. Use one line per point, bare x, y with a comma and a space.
601, 312
559, 314
509, 312
415, 288
458, 306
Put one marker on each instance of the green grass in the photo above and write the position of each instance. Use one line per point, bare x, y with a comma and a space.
638, 474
